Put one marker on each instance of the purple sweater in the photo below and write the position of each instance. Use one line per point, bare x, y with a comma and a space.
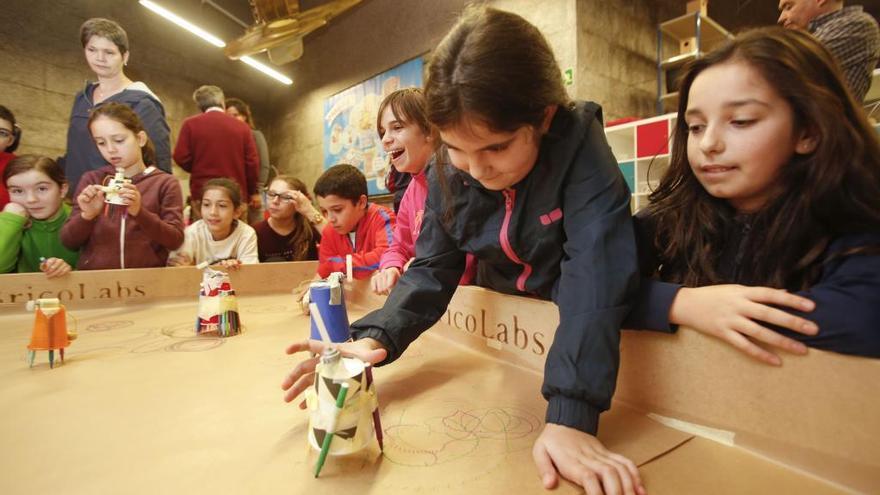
149, 236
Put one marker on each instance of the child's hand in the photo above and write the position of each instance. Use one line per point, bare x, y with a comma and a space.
132, 197
16, 209
181, 259
303, 374
304, 207
230, 264
91, 201
55, 267
301, 203
732, 313
581, 458
384, 280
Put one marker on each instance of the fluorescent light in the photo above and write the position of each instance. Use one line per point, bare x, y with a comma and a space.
210, 38
267, 70
180, 21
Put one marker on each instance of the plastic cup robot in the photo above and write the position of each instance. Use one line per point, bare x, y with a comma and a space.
50, 329
343, 406
218, 306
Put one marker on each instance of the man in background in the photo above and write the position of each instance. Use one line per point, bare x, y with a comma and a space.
850, 34
213, 144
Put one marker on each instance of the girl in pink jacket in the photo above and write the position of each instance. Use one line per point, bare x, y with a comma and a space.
410, 141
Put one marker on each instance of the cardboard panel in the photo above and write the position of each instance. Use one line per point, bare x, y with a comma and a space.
143, 403
817, 412
112, 287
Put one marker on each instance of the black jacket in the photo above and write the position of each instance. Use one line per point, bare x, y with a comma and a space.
563, 233
847, 294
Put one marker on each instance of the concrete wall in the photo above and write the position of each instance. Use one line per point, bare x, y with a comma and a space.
377, 36
617, 52
44, 66
609, 44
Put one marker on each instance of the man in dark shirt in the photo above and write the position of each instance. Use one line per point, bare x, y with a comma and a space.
850, 34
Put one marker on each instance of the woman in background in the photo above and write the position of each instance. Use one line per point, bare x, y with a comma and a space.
106, 50
242, 111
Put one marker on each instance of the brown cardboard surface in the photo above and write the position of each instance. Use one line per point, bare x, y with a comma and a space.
705, 467
144, 406
818, 413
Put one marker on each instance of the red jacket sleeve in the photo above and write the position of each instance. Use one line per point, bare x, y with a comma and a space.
77, 230
380, 232
328, 251
182, 150
165, 228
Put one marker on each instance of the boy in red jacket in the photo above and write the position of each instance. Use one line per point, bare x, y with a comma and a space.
356, 227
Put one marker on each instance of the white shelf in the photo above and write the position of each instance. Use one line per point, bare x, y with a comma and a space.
634, 144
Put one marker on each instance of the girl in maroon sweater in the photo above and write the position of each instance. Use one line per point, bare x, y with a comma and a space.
147, 223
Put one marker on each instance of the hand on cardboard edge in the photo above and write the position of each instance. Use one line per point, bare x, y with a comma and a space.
230, 264
181, 259
732, 313
303, 374
581, 458
55, 267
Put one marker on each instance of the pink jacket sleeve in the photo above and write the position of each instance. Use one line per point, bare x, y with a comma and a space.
403, 244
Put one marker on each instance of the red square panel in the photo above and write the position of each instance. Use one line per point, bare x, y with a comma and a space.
652, 139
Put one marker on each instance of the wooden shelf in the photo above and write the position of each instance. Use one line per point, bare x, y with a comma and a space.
684, 27
695, 35
678, 60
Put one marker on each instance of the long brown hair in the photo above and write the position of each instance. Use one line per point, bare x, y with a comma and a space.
303, 233
495, 67
125, 115
833, 191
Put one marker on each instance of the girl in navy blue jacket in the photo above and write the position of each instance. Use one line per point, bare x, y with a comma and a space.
528, 184
766, 226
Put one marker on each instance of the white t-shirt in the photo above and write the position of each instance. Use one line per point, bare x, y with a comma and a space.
200, 246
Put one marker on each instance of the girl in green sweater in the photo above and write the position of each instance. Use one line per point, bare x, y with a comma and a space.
30, 223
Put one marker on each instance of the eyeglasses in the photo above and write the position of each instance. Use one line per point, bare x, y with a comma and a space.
285, 198
6, 134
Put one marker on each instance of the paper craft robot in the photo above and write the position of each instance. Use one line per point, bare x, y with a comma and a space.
351, 425
218, 306
343, 406
114, 187
50, 329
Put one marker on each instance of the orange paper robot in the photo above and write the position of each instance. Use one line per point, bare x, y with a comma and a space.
50, 329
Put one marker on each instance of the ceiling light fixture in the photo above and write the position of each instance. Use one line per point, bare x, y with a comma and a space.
185, 24
214, 40
265, 69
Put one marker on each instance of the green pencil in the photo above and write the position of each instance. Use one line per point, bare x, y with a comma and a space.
325, 447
